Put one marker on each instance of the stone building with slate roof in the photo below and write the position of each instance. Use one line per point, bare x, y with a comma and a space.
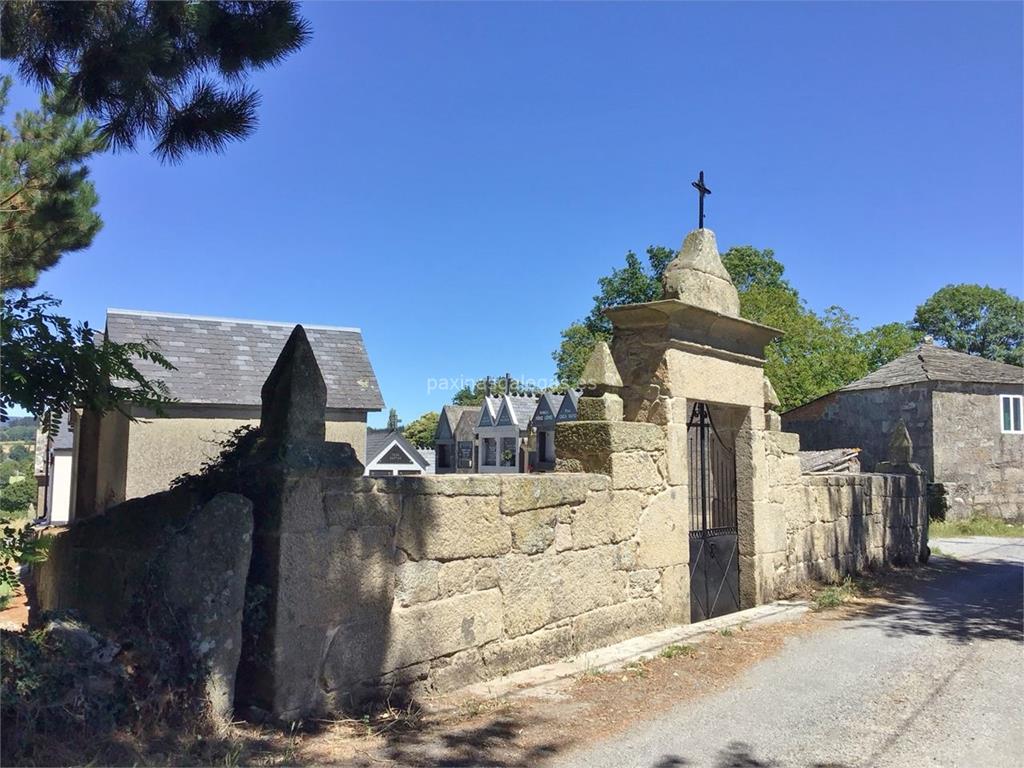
964, 415
220, 367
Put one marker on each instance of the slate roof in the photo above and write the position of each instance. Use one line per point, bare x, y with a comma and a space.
377, 440
468, 420
523, 406
932, 363
455, 412
225, 361
554, 402
831, 460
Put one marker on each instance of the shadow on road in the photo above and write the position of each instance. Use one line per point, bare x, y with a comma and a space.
736, 755
962, 600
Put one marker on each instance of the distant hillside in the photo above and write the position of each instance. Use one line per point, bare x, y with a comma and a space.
20, 429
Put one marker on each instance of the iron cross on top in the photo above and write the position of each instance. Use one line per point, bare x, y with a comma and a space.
702, 190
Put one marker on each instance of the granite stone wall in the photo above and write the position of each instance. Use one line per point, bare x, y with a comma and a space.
979, 468
164, 563
842, 523
426, 584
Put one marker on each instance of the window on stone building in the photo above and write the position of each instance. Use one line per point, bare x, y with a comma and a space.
1012, 408
442, 456
490, 451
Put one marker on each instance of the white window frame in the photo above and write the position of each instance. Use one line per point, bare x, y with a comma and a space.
1019, 412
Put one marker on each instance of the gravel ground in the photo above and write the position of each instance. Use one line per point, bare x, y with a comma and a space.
934, 678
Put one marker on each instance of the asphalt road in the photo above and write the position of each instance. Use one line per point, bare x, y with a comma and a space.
934, 679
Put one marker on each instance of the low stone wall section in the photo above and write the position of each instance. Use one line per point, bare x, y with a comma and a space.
163, 563
843, 523
437, 582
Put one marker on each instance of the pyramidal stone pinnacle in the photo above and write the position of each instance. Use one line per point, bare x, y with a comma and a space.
600, 370
294, 395
697, 276
901, 447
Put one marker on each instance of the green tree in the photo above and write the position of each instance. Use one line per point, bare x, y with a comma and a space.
171, 71
10, 467
975, 319
884, 343
46, 199
18, 497
634, 283
474, 395
420, 432
20, 428
19, 453
393, 420
52, 365
816, 354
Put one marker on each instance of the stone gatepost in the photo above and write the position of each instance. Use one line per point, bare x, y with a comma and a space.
284, 628
692, 346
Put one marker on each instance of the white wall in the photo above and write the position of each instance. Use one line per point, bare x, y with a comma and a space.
59, 493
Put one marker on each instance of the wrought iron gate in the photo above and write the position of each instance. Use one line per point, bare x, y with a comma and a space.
714, 556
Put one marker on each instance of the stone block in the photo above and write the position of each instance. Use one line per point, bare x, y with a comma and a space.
677, 454
606, 517
461, 576
769, 527
663, 531
675, 593
205, 571
546, 645
416, 582
533, 531
772, 421
353, 510
610, 624
452, 527
607, 407
823, 537
442, 627
451, 485
601, 438
301, 505
626, 555
563, 537
784, 442
751, 465
784, 470
635, 470
457, 671
536, 491
542, 589
644, 583
702, 377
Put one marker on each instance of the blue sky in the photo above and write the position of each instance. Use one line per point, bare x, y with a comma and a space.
453, 178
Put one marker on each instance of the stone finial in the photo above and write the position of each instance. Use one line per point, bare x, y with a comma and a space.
600, 371
901, 447
771, 399
294, 395
697, 276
